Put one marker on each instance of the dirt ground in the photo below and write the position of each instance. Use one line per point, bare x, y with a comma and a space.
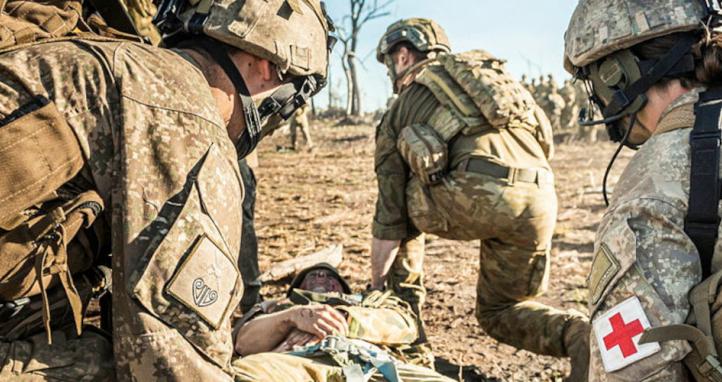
309, 200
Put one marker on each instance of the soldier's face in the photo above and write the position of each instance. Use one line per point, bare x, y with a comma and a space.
403, 59
321, 281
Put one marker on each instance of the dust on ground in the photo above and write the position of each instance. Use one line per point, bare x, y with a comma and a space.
308, 200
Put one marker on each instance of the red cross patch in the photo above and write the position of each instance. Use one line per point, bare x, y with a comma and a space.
618, 332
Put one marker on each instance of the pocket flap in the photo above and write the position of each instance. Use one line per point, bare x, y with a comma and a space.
39, 152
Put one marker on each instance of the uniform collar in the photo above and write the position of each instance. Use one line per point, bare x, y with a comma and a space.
680, 113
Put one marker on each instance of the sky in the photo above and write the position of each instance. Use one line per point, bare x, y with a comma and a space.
526, 33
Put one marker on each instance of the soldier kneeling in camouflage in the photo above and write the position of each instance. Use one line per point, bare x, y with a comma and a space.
322, 332
463, 154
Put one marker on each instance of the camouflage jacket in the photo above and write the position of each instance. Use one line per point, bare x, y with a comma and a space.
157, 151
376, 317
642, 251
417, 104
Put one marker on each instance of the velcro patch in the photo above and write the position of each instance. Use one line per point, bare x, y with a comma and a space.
618, 332
205, 282
604, 267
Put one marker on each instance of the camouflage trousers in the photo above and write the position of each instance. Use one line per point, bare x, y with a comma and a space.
515, 223
70, 358
278, 367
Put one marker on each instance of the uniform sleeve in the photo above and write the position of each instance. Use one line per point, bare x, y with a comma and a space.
177, 217
642, 253
390, 322
391, 221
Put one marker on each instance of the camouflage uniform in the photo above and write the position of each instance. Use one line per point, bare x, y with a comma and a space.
641, 248
280, 367
377, 318
514, 218
642, 252
161, 159
300, 121
150, 140
555, 106
70, 358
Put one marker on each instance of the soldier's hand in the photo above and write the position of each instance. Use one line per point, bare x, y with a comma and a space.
296, 338
320, 320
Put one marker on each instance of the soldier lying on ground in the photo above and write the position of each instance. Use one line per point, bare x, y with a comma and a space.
320, 324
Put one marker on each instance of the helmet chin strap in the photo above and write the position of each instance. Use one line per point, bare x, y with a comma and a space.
251, 135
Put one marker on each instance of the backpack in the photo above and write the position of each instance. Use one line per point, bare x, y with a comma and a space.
703, 329
25, 22
476, 93
47, 231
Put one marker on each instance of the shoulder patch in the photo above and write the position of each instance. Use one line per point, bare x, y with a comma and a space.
618, 332
205, 282
604, 267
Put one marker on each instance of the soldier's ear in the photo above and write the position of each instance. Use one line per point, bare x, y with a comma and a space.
404, 55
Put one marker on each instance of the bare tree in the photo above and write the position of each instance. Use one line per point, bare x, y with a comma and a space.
362, 11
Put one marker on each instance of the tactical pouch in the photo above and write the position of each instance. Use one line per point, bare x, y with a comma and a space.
29, 21
425, 152
25, 317
484, 78
423, 210
39, 153
50, 246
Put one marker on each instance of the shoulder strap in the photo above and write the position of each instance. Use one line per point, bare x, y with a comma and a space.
702, 221
457, 109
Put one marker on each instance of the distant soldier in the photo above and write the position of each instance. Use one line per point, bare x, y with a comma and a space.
543, 87
475, 168
551, 83
570, 113
571, 110
555, 106
526, 84
300, 121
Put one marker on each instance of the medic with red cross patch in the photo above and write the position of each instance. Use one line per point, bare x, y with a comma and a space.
653, 71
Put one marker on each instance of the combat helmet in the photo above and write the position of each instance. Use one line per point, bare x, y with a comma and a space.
598, 46
301, 275
423, 34
294, 35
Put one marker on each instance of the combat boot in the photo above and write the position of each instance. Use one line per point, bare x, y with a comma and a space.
576, 343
